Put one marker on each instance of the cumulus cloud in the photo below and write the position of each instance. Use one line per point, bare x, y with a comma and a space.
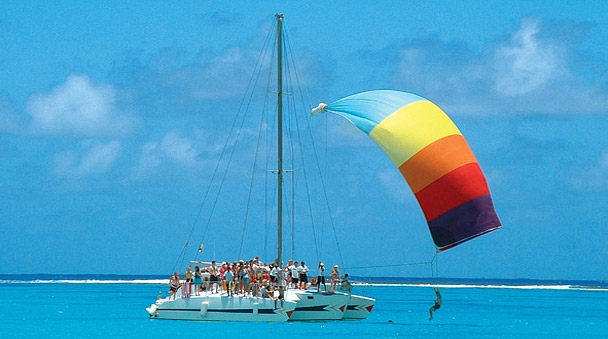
536, 69
172, 148
525, 63
213, 76
78, 107
93, 158
593, 178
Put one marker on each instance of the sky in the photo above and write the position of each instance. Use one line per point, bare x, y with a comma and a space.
113, 117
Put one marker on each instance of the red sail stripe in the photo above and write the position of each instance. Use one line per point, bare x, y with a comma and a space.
436, 160
452, 190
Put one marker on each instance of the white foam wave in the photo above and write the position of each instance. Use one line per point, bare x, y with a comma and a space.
86, 281
519, 287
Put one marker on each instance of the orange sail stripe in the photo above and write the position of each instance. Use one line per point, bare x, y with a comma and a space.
452, 190
436, 160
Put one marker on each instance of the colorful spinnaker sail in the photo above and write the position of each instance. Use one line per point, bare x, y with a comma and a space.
433, 157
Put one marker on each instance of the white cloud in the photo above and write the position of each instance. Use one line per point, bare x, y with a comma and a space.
78, 107
172, 148
539, 68
92, 159
593, 178
525, 63
180, 149
214, 77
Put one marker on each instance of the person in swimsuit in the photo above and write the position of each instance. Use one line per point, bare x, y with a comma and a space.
335, 276
173, 284
213, 276
437, 303
245, 279
198, 280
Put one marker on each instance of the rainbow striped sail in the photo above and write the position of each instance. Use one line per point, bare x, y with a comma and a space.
433, 157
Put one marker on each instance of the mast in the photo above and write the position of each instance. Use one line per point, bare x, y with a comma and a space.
279, 138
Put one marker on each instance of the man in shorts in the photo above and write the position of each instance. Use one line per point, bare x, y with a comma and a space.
437, 303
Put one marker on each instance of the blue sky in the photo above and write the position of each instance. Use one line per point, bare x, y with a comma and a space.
112, 116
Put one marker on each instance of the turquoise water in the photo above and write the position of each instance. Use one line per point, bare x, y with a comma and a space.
102, 310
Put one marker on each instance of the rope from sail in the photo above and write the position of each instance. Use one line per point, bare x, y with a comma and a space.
240, 113
432, 263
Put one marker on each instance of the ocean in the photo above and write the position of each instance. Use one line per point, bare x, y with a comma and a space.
114, 307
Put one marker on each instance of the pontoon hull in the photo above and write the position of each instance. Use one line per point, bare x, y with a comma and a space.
216, 307
312, 305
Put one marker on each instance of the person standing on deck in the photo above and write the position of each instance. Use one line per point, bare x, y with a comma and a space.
187, 283
303, 272
173, 284
321, 277
213, 276
295, 275
198, 280
335, 277
229, 277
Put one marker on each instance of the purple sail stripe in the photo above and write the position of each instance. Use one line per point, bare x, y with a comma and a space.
464, 222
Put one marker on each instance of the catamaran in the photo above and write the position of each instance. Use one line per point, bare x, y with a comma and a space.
435, 161
294, 304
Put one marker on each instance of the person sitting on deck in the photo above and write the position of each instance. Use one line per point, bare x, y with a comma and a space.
346, 285
314, 283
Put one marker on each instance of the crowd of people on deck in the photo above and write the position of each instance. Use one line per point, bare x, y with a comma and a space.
254, 278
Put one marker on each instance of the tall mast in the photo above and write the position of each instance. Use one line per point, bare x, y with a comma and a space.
280, 137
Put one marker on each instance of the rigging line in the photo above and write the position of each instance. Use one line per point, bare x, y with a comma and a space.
331, 219
180, 257
291, 116
255, 161
267, 164
308, 192
294, 57
289, 211
270, 121
300, 139
257, 70
319, 169
436, 260
385, 266
304, 90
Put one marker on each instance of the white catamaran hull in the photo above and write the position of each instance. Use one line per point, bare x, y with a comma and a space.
358, 307
313, 305
216, 307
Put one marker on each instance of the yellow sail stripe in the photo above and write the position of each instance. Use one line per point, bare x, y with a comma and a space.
411, 128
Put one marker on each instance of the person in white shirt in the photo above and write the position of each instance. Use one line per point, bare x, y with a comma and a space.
295, 275
321, 277
303, 275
